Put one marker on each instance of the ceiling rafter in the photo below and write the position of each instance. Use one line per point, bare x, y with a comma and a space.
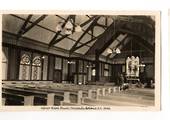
106, 21
139, 41
93, 39
120, 43
57, 34
102, 26
108, 35
138, 34
142, 39
128, 37
34, 23
88, 16
20, 32
146, 21
74, 21
88, 21
46, 28
55, 41
89, 28
58, 40
108, 42
145, 44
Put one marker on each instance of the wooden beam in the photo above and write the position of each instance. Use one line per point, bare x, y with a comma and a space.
140, 39
24, 26
34, 23
145, 20
56, 35
102, 26
89, 28
108, 56
122, 42
106, 38
78, 47
88, 21
54, 41
92, 39
74, 21
88, 16
145, 44
135, 40
59, 39
106, 22
45, 28
109, 42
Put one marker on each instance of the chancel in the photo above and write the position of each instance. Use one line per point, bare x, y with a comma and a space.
78, 60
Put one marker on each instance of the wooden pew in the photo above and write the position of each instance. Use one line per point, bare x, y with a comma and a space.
49, 97
50, 93
66, 93
26, 100
68, 90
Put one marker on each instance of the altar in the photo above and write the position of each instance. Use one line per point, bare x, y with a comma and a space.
132, 69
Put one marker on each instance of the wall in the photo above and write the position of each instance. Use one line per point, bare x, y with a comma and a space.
13, 66
33, 44
45, 67
51, 61
4, 63
149, 71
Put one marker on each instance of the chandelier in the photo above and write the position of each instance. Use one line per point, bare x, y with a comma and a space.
69, 27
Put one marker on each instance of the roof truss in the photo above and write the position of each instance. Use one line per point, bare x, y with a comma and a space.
55, 41
20, 32
34, 23
86, 31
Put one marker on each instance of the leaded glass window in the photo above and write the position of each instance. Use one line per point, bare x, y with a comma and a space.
36, 68
25, 66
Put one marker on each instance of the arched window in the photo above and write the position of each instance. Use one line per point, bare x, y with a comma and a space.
25, 67
36, 68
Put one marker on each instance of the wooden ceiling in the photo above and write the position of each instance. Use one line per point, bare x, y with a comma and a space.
99, 32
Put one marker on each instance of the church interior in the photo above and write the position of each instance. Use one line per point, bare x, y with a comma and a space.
78, 60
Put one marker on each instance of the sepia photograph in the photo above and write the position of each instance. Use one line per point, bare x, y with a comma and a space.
80, 60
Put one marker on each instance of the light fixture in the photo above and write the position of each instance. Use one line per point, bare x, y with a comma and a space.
142, 64
78, 28
109, 50
43, 57
68, 28
116, 50
89, 66
59, 26
71, 62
